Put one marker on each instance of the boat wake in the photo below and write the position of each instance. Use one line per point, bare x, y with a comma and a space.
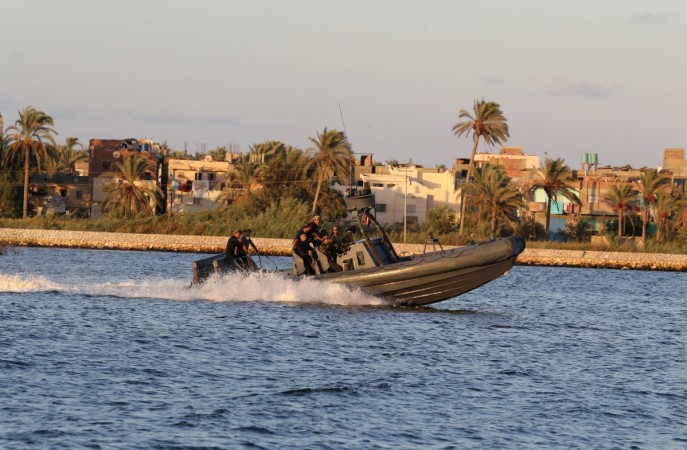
269, 287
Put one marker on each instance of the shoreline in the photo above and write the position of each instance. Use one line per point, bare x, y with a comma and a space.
14, 237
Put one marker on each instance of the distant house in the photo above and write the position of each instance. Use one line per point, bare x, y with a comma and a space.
407, 192
102, 170
62, 193
675, 166
195, 185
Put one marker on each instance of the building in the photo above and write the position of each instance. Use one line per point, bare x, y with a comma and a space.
516, 164
102, 170
195, 185
675, 166
62, 193
407, 192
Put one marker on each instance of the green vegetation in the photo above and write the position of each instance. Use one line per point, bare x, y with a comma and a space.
279, 219
552, 178
622, 199
331, 156
130, 198
495, 200
68, 155
30, 140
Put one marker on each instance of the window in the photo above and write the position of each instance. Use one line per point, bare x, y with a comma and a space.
390, 185
380, 207
381, 185
211, 177
198, 176
63, 192
79, 195
107, 165
411, 208
196, 200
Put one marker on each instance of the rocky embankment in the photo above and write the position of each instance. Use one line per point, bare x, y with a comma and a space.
213, 244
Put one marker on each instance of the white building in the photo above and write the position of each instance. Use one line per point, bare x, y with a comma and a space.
411, 191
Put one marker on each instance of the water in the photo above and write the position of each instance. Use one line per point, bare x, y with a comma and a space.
109, 349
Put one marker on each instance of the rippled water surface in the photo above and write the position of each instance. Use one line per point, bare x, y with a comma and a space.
109, 349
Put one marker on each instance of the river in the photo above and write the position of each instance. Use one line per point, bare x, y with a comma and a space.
113, 349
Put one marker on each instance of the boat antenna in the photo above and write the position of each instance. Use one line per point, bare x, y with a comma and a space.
352, 175
342, 121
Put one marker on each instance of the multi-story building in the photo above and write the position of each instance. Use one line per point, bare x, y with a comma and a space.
102, 168
407, 192
675, 166
195, 185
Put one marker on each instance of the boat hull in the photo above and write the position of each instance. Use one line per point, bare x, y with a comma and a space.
435, 277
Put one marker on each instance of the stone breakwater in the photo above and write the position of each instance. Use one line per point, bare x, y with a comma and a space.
282, 247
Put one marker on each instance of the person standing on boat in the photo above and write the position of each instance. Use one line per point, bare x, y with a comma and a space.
248, 242
303, 249
233, 246
315, 233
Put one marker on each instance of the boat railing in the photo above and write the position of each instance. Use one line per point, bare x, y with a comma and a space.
434, 242
265, 263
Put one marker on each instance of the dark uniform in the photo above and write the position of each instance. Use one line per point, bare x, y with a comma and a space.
303, 249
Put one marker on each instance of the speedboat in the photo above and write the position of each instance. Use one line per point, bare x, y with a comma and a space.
372, 264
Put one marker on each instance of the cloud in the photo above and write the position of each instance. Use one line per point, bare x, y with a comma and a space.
577, 88
70, 113
493, 81
651, 19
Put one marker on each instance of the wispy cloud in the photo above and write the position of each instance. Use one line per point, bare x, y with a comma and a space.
651, 19
577, 88
71, 113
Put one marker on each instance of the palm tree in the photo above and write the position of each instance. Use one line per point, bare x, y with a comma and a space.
30, 139
282, 171
622, 198
331, 156
246, 173
68, 155
488, 123
650, 182
262, 153
680, 195
666, 206
552, 179
219, 154
495, 195
130, 197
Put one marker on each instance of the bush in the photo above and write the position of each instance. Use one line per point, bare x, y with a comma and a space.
440, 220
530, 230
578, 231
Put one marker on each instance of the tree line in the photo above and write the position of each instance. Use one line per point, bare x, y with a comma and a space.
491, 203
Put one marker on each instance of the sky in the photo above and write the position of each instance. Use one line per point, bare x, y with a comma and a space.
572, 77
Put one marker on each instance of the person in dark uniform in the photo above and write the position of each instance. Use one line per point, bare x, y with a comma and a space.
303, 249
232, 244
316, 235
304, 229
235, 254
